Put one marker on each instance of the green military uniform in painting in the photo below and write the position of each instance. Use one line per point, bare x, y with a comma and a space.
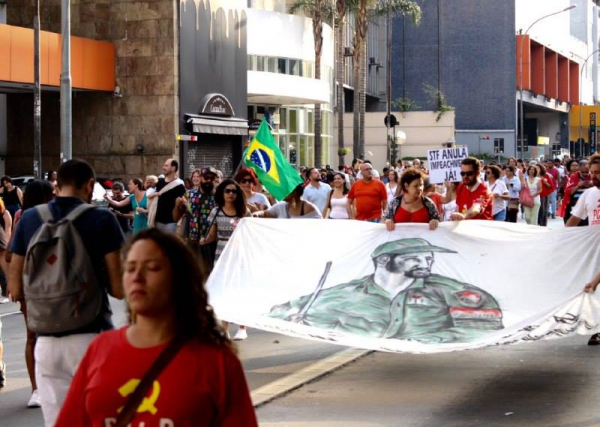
432, 309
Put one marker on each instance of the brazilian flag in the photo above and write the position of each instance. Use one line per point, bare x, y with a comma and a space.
270, 165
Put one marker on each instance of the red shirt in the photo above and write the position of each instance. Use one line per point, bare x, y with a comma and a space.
546, 191
480, 196
202, 383
368, 198
420, 216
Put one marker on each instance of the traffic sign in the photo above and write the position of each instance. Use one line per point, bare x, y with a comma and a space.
390, 121
187, 138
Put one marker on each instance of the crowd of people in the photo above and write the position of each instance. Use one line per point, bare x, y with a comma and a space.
176, 230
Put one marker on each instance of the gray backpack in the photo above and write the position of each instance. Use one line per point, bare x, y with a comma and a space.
59, 282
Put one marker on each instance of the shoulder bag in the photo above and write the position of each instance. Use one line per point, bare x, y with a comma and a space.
525, 196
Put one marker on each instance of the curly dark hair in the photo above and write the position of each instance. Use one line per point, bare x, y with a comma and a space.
194, 317
37, 192
409, 176
240, 200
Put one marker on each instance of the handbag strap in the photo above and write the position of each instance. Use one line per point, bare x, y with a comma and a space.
161, 362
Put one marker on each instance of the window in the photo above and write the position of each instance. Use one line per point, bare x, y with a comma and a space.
293, 121
294, 67
311, 121
283, 119
282, 65
293, 150
498, 145
251, 62
304, 161
261, 63
283, 144
272, 65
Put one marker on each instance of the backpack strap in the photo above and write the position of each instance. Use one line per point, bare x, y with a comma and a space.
45, 213
79, 210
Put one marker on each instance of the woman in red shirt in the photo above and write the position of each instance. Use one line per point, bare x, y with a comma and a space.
548, 187
411, 206
203, 385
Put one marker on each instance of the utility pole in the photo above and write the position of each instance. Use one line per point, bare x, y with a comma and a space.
37, 97
66, 118
390, 129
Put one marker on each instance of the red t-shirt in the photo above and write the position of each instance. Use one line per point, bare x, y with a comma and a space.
546, 191
481, 196
404, 216
368, 198
202, 384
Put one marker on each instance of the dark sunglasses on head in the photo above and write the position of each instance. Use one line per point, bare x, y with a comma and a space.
208, 177
467, 173
230, 191
247, 181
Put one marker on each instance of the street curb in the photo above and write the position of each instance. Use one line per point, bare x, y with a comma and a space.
10, 313
275, 389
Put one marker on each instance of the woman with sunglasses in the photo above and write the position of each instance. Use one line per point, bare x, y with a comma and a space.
249, 182
224, 218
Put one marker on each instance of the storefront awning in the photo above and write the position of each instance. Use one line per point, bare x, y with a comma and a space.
217, 125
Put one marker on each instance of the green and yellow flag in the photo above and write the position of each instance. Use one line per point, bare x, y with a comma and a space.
266, 159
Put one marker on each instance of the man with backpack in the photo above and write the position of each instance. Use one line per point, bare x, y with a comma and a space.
66, 259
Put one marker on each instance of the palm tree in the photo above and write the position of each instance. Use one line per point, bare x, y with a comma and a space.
340, 9
317, 11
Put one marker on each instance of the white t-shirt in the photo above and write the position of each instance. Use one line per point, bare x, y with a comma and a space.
261, 199
499, 187
375, 174
588, 206
280, 210
390, 193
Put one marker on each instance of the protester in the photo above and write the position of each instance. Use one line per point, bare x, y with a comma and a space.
450, 206
411, 206
187, 182
499, 192
195, 208
430, 191
548, 188
11, 194
292, 207
554, 171
316, 191
513, 184
202, 385
579, 181
473, 198
368, 196
57, 354
391, 187
6, 225
120, 206
249, 183
137, 201
52, 176
374, 172
224, 218
534, 184
167, 190
337, 204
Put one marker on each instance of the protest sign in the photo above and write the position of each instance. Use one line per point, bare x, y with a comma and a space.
413, 290
444, 164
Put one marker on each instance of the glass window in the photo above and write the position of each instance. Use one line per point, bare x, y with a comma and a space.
301, 67
272, 65
282, 65
283, 119
261, 63
304, 152
283, 144
293, 150
293, 121
311, 121
252, 62
311, 150
294, 67
301, 120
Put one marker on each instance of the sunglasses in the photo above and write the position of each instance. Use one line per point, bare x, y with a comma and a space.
467, 173
230, 191
246, 181
208, 178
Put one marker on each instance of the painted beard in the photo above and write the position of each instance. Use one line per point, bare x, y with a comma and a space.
207, 187
418, 273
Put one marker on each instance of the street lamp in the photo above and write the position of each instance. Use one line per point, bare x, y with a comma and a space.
572, 6
580, 90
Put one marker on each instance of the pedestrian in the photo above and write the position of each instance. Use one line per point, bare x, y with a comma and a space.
513, 184
579, 181
137, 201
374, 172
533, 183
430, 191
249, 183
229, 210
384, 175
51, 176
548, 188
337, 203
450, 206
368, 196
499, 192
60, 348
11, 194
473, 198
120, 205
187, 182
6, 225
552, 169
38, 192
168, 190
293, 206
201, 383
391, 187
588, 208
316, 192
411, 206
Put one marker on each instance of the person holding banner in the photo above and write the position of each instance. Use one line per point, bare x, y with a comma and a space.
293, 206
411, 206
499, 192
513, 184
473, 198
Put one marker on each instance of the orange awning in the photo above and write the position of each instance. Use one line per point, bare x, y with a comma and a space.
92, 61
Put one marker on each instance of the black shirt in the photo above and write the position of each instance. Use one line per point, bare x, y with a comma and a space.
166, 202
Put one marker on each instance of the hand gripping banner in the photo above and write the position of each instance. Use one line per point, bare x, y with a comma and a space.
467, 285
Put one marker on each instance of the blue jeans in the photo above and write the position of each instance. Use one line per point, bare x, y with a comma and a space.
552, 199
500, 216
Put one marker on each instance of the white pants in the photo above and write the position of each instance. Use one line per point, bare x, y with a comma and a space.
56, 361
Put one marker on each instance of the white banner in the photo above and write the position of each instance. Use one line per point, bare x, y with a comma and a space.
469, 284
444, 164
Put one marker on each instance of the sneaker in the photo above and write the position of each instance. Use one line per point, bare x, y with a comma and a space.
4, 300
594, 339
34, 400
240, 335
2, 374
